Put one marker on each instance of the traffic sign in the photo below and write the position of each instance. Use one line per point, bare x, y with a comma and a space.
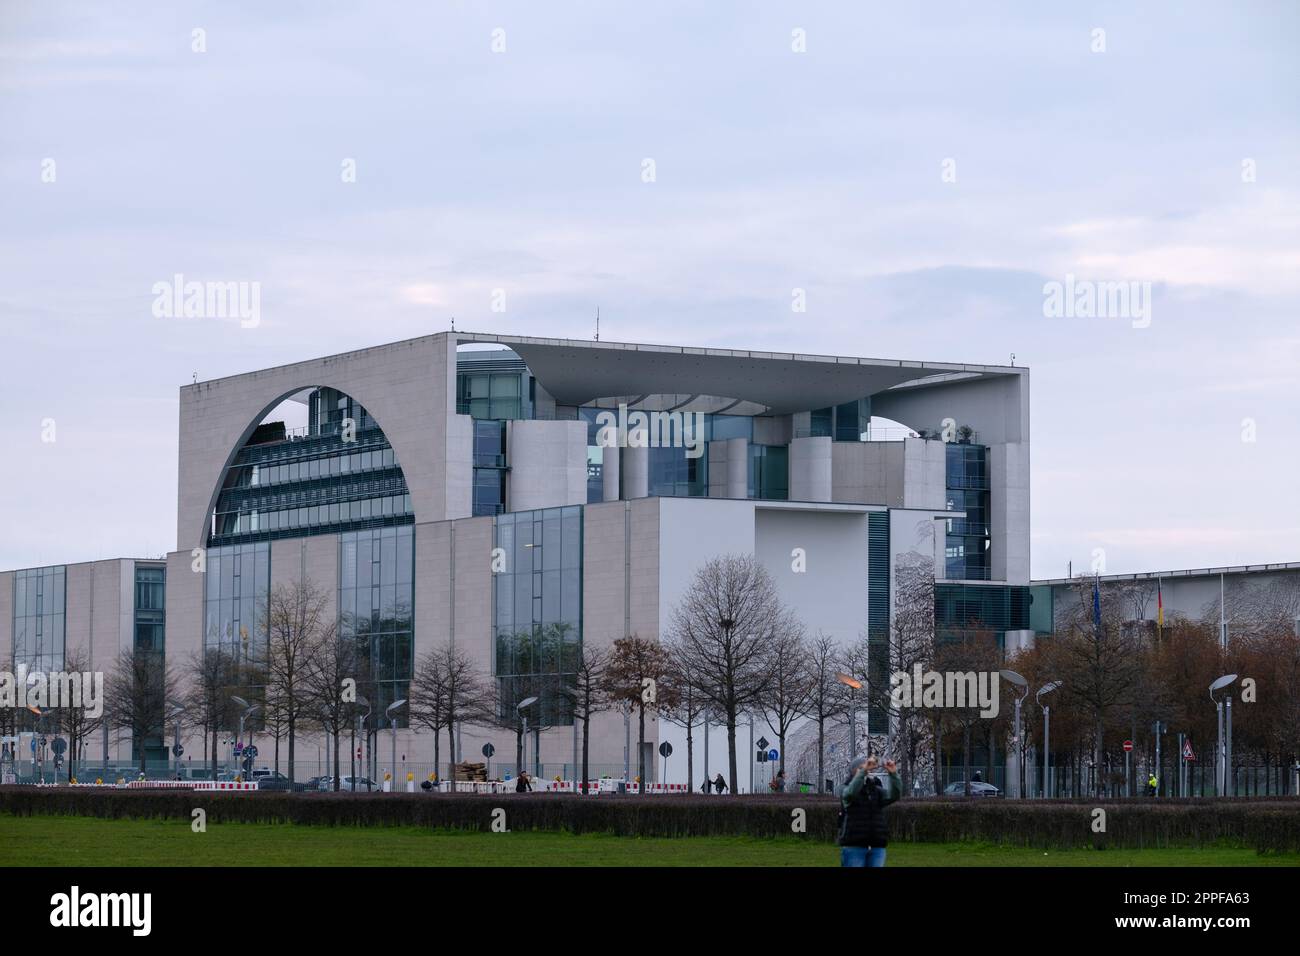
772, 754
1188, 754
762, 743
60, 745
665, 749
1128, 745
488, 750
177, 750
250, 751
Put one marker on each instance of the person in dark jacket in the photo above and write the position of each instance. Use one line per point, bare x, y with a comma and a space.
523, 784
864, 833
706, 786
720, 783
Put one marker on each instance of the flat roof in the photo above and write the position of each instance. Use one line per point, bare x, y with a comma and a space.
1188, 573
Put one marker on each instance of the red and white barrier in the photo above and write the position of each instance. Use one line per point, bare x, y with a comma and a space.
191, 785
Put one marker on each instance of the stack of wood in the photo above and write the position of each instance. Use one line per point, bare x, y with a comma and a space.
473, 772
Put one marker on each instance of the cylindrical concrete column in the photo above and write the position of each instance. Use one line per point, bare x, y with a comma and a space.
810, 469
737, 468
609, 472
636, 472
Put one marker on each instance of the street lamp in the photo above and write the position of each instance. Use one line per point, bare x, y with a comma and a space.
391, 713
1047, 733
1223, 751
519, 707
248, 711
175, 714
854, 685
361, 725
1023, 685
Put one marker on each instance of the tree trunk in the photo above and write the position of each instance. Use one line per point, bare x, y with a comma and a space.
214, 752
640, 746
821, 751
451, 750
965, 756
586, 727
731, 747
336, 756
690, 752
292, 731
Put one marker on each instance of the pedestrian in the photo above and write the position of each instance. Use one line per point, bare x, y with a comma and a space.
523, 784
863, 831
719, 784
706, 786
1152, 785
778, 782
978, 778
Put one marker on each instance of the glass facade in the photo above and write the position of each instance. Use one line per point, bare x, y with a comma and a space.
150, 607
489, 467
237, 586
492, 395
537, 611
769, 472
992, 607
966, 540
40, 635
674, 475
878, 616
376, 609
287, 485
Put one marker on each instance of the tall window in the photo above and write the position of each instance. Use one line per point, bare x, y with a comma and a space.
769, 472
238, 582
376, 601
537, 611
489, 467
150, 607
39, 616
966, 540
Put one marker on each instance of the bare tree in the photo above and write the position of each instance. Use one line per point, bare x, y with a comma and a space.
587, 697
728, 617
825, 700
790, 689
686, 708
212, 678
332, 673
448, 690
77, 722
638, 674
296, 618
140, 692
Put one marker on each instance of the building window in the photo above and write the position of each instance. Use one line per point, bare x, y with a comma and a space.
338, 474
238, 582
376, 601
150, 607
39, 618
967, 540
769, 472
537, 611
489, 488
490, 395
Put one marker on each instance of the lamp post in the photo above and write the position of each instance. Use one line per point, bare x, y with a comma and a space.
352, 750
854, 685
248, 711
521, 707
175, 714
1013, 761
1047, 728
1223, 747
391, 713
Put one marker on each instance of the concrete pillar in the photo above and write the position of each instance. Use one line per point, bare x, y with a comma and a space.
636, 478
810, 469
609, 472
737, 468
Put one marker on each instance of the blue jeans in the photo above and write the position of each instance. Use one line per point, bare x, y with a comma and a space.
862, 856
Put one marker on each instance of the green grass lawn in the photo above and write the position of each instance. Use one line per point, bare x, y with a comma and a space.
87, 841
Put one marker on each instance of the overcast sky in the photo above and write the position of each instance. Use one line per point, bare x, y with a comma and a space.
1169, 157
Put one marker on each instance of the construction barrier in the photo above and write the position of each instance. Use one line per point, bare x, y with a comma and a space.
190, 785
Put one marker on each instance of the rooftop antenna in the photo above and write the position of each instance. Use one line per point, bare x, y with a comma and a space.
196, 378
597, 323
1013, 359
453, 323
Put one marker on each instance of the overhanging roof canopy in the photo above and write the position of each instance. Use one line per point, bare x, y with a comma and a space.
577, 372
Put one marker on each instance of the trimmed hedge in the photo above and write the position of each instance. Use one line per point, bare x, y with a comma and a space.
1266, 825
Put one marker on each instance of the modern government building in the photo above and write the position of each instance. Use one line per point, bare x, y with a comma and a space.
389, 476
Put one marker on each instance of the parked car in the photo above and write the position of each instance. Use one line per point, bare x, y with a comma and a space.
977, 789
345, 783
